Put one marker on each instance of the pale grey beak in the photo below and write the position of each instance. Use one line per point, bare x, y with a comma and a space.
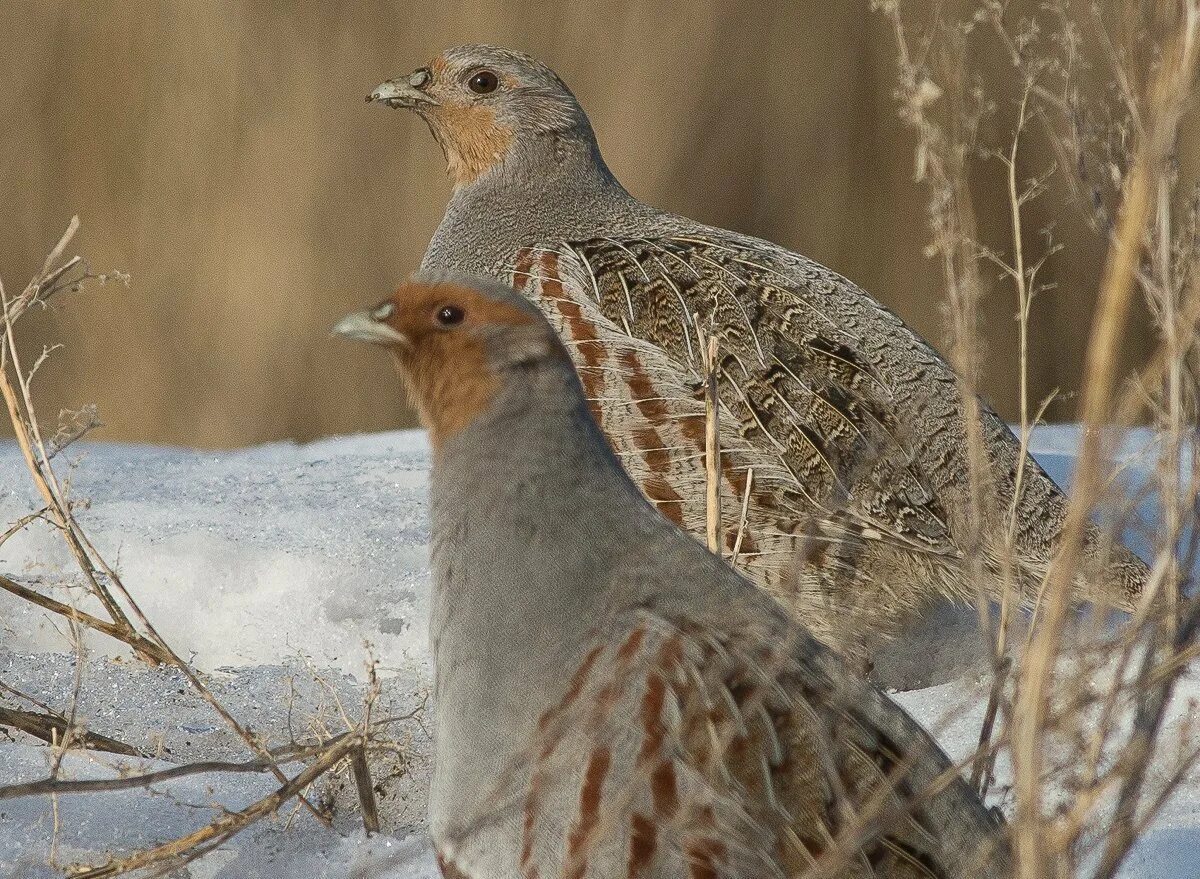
362, 327
403, 93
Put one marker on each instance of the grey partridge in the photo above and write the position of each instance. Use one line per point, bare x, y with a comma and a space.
853, 426
611, 699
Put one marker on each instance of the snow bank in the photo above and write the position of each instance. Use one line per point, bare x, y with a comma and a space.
246, 557
274, 567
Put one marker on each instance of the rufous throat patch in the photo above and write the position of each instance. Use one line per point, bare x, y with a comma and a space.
447, 370
472, 139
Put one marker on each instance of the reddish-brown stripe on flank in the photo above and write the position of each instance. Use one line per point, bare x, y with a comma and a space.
643, 840
631, 644
650, 443
668, 501
577, 682
595, 411
548, 273
735, 478
654, 698
705, 852
589, 810
533, 800
533, 804
703, 856
521, 276
647, 399
448, 870
652, 723
606, 698
671, 653
655, 486
749, 545
693, 427
579, 329
664, 789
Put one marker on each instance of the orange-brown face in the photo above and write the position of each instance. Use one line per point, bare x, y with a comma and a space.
438, 334
479, 101
470, 131
459, 108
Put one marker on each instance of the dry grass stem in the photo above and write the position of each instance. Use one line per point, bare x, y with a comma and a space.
53, 728
188, 848
742, 517
712, 438
1082, 745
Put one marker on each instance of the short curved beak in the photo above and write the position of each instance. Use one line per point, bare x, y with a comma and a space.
361, 327
400, 94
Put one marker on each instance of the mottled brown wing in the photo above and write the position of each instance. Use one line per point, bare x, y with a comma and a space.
675, 751
799, 406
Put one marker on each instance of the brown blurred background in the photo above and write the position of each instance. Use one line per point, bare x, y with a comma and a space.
222, 154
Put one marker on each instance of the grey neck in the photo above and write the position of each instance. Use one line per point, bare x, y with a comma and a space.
548, 164
549, 188
507, 496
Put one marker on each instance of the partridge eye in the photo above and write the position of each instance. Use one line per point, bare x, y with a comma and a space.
449, 315
483, 83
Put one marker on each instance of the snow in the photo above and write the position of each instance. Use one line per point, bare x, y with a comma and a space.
282, 571
242, 557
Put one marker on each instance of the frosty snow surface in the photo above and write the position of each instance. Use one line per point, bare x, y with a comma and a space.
272, 568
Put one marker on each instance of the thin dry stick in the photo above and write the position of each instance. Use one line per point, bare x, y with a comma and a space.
1143, 690
1171, 633
21, 524
712, 444
25, 426
365, 789
130, 782
743, 516
358, 761
37, 703
90, 561
57, 507
129, 636
52, 729
1002, 664
188, 848
1172, 393
981, 770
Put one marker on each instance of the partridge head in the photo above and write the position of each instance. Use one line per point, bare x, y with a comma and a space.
456, 344
485, 105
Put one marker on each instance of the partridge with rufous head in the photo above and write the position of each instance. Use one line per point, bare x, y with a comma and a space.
611, 699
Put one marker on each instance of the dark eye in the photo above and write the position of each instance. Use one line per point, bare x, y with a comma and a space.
483, 83
449, 315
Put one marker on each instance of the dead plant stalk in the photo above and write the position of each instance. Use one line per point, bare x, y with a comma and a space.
1169, 92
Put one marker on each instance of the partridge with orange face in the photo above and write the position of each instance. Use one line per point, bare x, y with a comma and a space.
859, 508
612, 700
